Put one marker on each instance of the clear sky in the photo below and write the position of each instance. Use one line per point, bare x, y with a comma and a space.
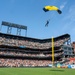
31, 14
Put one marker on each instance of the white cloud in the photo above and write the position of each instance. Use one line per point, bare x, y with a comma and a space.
70, 16
69, 21
63, 5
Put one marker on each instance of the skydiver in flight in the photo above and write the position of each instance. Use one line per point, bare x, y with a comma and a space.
46, 25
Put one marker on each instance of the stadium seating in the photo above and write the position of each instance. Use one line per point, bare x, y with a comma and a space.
18, 51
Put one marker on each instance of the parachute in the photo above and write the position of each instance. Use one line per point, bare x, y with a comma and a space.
49, 8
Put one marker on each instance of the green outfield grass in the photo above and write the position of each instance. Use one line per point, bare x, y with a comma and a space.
36, 71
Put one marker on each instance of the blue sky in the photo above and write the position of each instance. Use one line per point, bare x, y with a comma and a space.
30, 14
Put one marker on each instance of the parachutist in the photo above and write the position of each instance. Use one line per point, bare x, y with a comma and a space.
47, 23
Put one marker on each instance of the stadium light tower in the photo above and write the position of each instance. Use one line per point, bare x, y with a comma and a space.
13, 25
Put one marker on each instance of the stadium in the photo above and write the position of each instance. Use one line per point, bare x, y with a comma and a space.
18, 51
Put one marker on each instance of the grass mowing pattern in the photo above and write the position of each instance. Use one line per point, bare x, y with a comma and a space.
36, 71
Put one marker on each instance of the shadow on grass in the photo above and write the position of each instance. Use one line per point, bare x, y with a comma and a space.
58, 70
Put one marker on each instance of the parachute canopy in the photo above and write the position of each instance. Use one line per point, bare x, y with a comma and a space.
48, 8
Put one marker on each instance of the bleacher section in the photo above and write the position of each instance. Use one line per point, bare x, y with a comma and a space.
16, 51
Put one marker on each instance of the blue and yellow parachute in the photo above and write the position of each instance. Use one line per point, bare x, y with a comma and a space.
49, 8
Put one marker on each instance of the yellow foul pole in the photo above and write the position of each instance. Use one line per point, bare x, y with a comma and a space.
52, 51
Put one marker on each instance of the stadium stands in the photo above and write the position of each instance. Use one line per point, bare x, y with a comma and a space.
19, 51
73, 45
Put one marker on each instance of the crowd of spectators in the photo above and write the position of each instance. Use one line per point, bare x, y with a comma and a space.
30, 43
10, 41
69, 61
28, 54
23, 63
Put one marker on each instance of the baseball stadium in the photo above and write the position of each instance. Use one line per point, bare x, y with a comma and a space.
22, 55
